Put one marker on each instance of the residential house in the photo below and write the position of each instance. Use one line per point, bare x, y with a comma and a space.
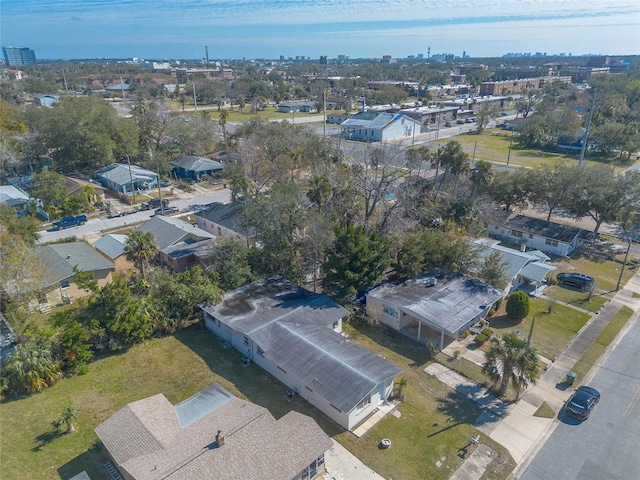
168, 231
526, 271
59, 261
212, 434
435, 307
8, 339
295, 335
126, 179
223, 220
336, 118
538, 234
183, 255
298, 106
112, 246
194, 168
15, 197
379, 127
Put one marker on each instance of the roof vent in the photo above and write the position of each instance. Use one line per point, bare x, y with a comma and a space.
220, 438
68, 257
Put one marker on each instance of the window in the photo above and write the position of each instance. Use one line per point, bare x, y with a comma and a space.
260, 352
530, 235
551, 242
516, 233
246, 341
392, 312
335, 325
365, 402
64, 284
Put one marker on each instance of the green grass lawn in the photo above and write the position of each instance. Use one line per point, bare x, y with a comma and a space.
597, 348
551, 332
269, 113
492, 145
434, 421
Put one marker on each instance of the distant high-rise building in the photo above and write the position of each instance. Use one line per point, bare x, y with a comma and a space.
19, 57
323, 59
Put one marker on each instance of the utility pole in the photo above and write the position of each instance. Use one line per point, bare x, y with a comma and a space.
509, 154
626, 255
159, 189
324, 111
473, 159
195, 103
586, 132
133, 188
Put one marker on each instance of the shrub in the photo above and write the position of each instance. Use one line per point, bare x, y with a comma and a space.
480, 339
487, 331
466, 333
518, 305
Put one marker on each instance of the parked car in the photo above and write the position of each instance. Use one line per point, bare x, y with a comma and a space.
460, 121
165, 182
503, 114
448, 124
468, 120
154, 203
581, 403
578, 280
167, 210
70, 221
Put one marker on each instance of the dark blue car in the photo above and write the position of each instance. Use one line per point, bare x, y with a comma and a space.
582, 402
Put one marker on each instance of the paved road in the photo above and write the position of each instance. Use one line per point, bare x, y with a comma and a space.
604, 446
101, 223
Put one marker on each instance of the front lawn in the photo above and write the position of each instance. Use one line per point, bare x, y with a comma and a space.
434, 421
551, 332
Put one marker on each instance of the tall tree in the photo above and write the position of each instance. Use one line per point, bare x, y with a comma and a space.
493, 270
141, 248
356, 260
230, 260
223, 118
549, 186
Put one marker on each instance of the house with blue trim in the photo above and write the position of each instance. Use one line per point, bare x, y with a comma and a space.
194, 168
379, 127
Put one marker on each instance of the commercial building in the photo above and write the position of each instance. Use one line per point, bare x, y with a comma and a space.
19, 57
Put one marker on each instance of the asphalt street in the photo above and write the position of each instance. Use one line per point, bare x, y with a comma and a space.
103, 223
603, 446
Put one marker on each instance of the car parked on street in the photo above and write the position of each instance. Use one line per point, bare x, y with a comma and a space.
581, 403
448, 124
167, 210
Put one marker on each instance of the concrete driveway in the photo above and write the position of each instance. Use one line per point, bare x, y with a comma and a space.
340, 464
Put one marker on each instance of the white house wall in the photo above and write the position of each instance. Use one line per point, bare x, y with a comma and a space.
532, 241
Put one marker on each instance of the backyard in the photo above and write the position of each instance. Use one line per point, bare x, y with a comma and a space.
434, 421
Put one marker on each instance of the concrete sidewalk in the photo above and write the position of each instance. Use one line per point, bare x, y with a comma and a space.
514, 426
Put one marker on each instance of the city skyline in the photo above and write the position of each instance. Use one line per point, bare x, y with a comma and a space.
74, 29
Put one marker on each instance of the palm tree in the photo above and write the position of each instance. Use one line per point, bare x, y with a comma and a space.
31, 368
68, 415
509, 359
481, 176
140, 248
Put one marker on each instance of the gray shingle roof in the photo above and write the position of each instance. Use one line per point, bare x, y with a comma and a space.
60, 259
146, 440
197, 164
292, 326
112, 245
552, 230
120, 174
450, 305
228, 215
201, 249
170, 230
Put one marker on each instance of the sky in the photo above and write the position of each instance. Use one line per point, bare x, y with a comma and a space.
236, 29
